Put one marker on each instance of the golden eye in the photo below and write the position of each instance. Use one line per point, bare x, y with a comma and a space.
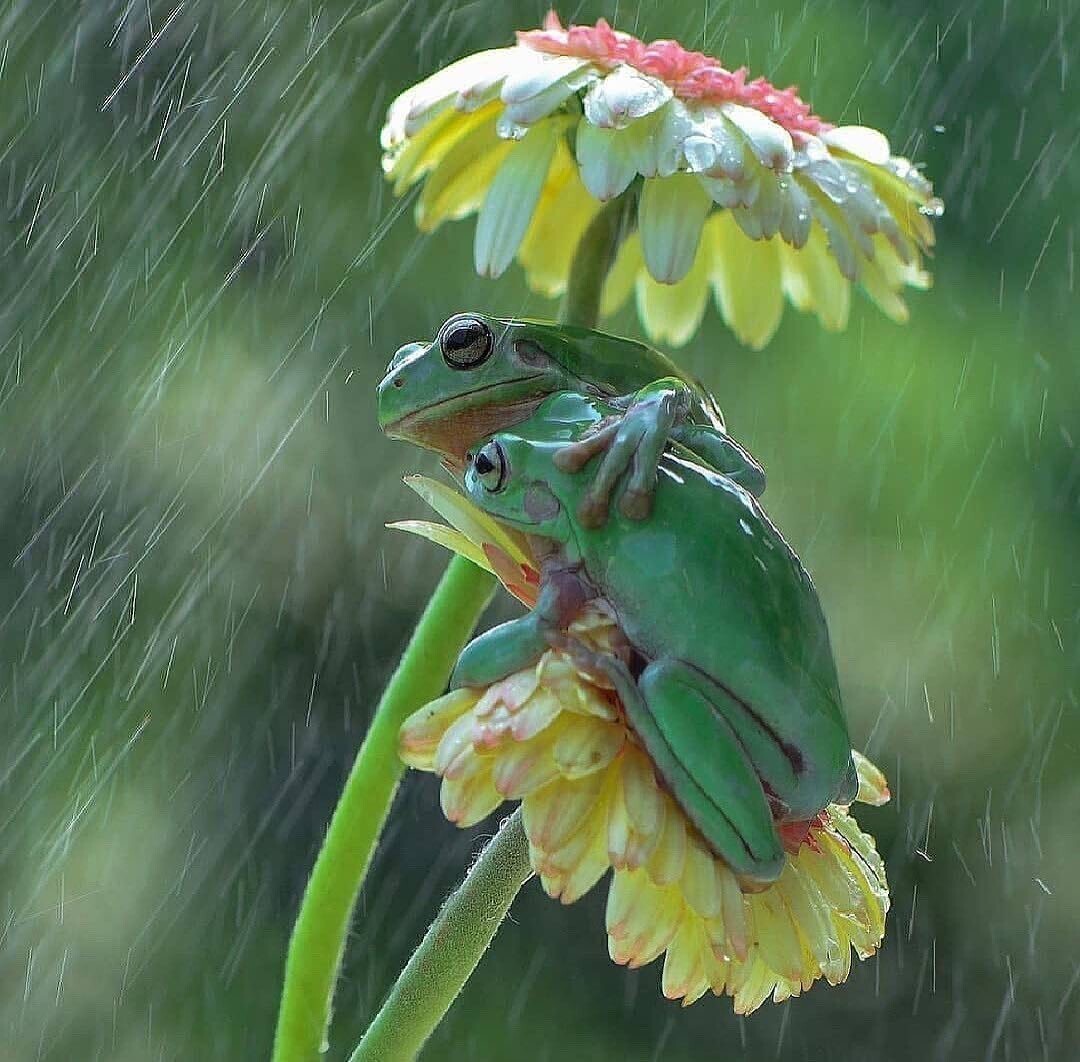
491, 467
465, 342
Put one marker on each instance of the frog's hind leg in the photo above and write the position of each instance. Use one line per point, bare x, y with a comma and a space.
702, 761
711, 775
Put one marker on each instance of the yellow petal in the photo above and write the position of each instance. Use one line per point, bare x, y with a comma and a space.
672, 313
553, 814
622, 275
470, 798
422, 732
561, 217
776, 937
522, 768
457, 185
813, 282
684, 964
469, 518
746, 278
701, 884
873, 786
444, 536
569, 872
666, 863
635, 820
586, 745
641, 918
421, 153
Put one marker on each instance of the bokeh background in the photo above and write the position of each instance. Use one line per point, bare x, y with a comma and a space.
202, 277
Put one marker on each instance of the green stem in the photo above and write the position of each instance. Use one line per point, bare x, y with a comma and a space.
594, 257
322, 925
458, 937
450, 950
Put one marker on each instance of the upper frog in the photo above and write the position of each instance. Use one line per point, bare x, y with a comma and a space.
481, 374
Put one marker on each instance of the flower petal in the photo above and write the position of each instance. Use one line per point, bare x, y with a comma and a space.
444, 536
770, 142
812, 280
457, 185
868, 144
620, 279
607, 163
553, 814
562, 215
510, 201
873, 787
624, 96
477, 525
670, 218
422, 732
746, 277
672, 313
418, 105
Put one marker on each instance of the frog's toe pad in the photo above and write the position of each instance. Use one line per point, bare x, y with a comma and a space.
593, 511
636, 504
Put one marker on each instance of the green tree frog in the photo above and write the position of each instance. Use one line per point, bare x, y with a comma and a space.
730, 681
482, 374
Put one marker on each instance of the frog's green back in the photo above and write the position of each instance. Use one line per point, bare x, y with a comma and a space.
616, 364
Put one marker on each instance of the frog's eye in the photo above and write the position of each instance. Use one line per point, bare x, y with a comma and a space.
491, 467
466, 342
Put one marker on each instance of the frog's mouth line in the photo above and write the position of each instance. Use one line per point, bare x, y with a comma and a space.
451, 426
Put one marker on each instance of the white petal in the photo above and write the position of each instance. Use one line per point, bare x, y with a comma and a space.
657, 140
727, 193
859, 140
670, 217
769, 141
797, 217
841, 245
624, 96
415, 107
762, 219
713, 147
534, 73
605, 160
510, 201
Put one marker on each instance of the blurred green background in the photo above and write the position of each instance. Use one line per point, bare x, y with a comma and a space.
202, 279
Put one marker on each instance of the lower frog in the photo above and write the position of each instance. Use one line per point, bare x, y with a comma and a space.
483, 373
731, 684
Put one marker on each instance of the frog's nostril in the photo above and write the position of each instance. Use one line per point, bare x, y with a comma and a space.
398, 381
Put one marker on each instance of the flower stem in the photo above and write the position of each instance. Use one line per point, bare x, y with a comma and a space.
594, 257
318, 939
450, 950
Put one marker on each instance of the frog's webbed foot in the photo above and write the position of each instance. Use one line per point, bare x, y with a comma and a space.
632, 445
519, 643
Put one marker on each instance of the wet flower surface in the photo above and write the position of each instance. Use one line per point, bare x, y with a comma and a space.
742, 189
556, 738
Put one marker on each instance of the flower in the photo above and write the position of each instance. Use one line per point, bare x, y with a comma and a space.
743, 189
556, 739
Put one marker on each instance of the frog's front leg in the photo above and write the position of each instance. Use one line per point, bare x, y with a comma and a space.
700, 758
634, 442
721, 452
519, 643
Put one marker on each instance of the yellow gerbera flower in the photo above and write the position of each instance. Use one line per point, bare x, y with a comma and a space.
557, 739
744, 189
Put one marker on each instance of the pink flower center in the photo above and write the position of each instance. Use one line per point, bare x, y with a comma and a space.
690, 75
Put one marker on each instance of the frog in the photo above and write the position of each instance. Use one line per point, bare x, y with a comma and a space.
730, 683
481, 374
